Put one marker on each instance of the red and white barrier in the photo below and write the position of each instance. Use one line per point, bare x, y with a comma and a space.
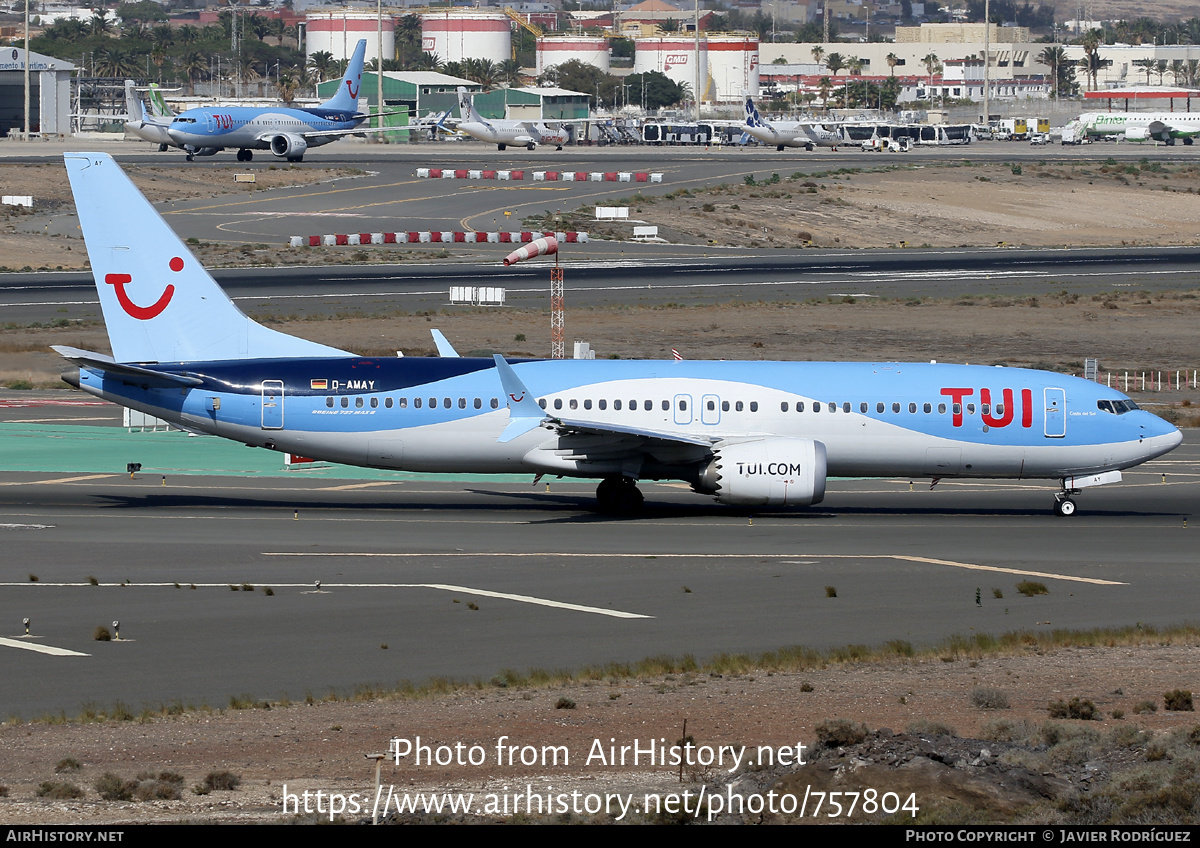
540, 176
434, 237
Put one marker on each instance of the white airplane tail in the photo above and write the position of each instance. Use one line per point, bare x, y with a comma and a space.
134, 108
466, 106
159, 303
347, 94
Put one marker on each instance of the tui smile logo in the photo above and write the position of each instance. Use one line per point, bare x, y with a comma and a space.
350, 88
142, 313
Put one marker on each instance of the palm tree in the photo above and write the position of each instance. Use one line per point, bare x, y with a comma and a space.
1146, 65
835, 62
1091, 62
1056, 58
320, 63
825, 85
817, 53
893, 60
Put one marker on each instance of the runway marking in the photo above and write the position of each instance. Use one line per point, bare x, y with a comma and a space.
41, 649
349, 486
494, 554
448, 587
59, 480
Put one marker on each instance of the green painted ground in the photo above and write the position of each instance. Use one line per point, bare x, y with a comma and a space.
65, 448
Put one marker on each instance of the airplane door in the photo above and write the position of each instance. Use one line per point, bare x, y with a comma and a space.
272, 405
683, 409
1056, 413
209, 123
710, 409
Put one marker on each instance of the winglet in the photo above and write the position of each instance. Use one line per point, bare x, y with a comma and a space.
444, 348
523, 411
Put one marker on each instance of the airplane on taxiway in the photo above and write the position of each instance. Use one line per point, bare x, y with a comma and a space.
286, 131
1139, 126
806, 134
502, 133
745, 433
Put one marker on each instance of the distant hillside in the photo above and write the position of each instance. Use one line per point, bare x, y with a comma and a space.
1162, 10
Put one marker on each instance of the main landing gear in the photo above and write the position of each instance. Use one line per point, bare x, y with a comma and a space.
1064, 505
244, 155
619, 496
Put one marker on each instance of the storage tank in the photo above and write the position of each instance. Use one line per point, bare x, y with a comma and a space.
457, 34
553, 50
673, 56
338, 33
732, 66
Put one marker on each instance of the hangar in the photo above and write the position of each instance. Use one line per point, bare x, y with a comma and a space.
49, 93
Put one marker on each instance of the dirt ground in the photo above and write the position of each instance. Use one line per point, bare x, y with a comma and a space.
1024, 769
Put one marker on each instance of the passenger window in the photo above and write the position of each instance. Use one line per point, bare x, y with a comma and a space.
928, 408
433, 403
417, 403
783, 406
862, 407
387, 402
895, 407
541, 402
724, 406
574, 404
462, 403
603, 403
358, 402
683, 405
648, 405
799, 406
970, 408
738, 406
958, 409
985, 408
711, 405
496, 403
846, 406
479, 403
999, 409
446, 403
374, 403
816, 406
879, 407
666, 405
754, 406
912, 408
329, 402
587, 403
558, 403
345, 402
942, 408
617, 405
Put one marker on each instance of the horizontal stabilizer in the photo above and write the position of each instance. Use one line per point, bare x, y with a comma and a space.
107, 365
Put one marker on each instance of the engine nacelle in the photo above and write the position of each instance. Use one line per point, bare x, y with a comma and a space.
769, 472
1136, 133
288, 145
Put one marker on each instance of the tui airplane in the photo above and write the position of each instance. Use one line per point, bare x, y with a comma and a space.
286, 131
745, 433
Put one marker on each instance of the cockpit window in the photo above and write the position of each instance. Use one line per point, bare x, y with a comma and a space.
1116, 407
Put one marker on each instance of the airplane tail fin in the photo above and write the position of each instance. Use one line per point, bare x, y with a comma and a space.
753, 119
347, 93
134, 109
158, 106
159, 303
466, 106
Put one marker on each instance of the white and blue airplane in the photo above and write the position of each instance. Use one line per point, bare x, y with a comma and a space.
285, 131
527, 134
148, 124
783, 134
745, 433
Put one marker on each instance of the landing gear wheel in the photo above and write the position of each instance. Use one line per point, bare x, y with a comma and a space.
191, 158
295, 158
619, 496
245, 155
162, 148
500, 146
531, 147
1064, 507
1187, 142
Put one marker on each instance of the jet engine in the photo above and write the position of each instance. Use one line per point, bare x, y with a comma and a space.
768, 472
288, 145
1136, 134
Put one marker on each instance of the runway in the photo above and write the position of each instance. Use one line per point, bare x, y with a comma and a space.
423, 578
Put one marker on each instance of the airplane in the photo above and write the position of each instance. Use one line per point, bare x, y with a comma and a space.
1140, 126
502, 132
286, 131
788, 133
745, 433
148, 124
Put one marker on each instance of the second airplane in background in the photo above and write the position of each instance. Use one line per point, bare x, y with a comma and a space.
286, 131
788, 133
505, 132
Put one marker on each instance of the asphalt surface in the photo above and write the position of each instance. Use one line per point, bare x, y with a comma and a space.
401, 562
556, 586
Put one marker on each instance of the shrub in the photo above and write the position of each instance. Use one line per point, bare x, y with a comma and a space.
987, 698
1077, 708
114, 788
564, 704
1145, 707
67, 764
1178, 700
831, 591
101, 634
222, 780
1029, 588
927, 727
839, 732
58, 790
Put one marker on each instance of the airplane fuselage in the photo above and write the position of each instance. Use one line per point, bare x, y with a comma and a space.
514, 133
873, 419
1141, 126
286, 132
793, 134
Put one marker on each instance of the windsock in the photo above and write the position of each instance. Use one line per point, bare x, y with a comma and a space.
537, 247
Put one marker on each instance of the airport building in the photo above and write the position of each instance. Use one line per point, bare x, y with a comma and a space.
49, 93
